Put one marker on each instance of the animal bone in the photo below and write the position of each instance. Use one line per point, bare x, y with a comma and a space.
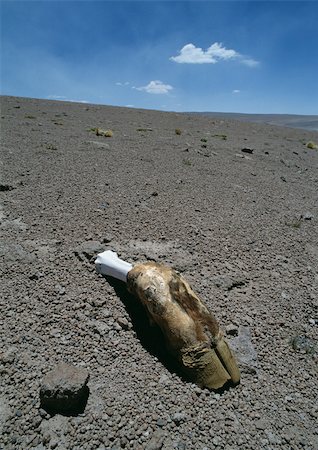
191, 332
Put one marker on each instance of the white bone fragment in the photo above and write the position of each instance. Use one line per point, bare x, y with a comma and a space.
108, 263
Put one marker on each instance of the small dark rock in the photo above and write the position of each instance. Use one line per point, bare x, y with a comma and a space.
103, 205
181, 446
123, 323
261, 424
247, 150
178, 418
231, 330
108, 238
308, 216
43, 414
303, 344
64, 389
34, 277
6, 187
161, 422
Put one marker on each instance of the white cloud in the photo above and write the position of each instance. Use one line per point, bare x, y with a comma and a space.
190, 54
236, 91
56, 97
65, 99
250, 62
77, 101
155, 87
126, 83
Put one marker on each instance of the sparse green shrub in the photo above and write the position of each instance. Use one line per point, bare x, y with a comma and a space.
51, 147
99, 132
187, 162
296, 223
311, 145
303, 344
30, 117
203, 140
144, 129
222, 136
178, 131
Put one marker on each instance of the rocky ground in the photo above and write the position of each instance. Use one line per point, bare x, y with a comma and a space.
242, 227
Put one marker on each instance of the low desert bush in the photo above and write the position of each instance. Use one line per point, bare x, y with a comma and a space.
100, 132
222, 136
178, 131
311, 145
295, 223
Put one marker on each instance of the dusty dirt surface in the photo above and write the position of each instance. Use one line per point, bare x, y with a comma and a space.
241, 226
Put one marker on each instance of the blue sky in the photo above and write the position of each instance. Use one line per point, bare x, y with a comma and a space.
231, 56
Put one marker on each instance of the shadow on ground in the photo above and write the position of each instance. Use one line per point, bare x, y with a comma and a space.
150, 336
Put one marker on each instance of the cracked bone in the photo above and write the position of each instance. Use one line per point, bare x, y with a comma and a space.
191, 332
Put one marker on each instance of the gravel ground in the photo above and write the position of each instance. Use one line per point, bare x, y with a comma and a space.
242, 227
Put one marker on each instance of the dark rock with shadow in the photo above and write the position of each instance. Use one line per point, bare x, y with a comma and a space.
64, 390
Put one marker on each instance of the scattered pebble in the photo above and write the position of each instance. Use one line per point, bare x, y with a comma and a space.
247, 150
308, 216
231, 330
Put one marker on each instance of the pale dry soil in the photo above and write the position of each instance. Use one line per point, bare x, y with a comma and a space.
241, 227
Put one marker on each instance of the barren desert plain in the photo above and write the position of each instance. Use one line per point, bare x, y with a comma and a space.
233, 206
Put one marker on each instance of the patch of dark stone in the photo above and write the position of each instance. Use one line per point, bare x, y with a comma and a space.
6, 187
64, 390
303, 344
247, 150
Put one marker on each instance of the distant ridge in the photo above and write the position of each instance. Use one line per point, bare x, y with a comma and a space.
309, 123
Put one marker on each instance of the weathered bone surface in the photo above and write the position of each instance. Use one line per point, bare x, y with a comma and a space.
192, 333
